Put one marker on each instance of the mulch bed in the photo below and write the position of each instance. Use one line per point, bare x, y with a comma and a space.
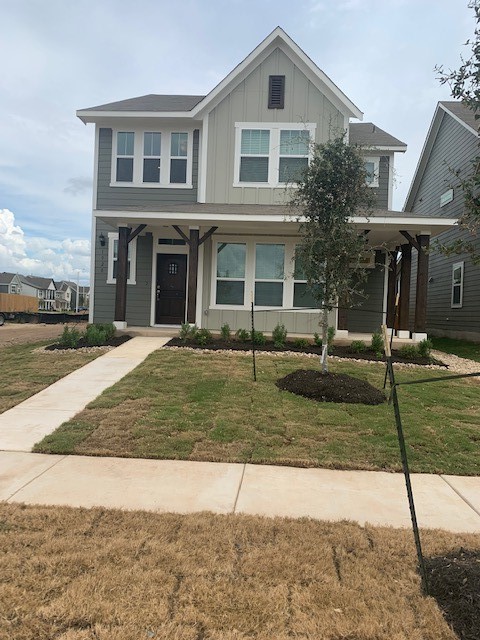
330, 387
116, 341
341, 351
454, 582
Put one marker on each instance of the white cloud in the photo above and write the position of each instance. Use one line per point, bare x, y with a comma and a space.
41, 256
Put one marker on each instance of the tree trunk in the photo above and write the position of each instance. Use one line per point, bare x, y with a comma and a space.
325, 340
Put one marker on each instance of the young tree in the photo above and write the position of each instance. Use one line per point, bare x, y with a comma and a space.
465, 85
330, 191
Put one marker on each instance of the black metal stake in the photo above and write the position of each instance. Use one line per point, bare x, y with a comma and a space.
253, 346
406, 470
391, 336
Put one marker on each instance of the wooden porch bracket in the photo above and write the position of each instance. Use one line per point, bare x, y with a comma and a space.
181, 234
413, 241
207, 235
134, 234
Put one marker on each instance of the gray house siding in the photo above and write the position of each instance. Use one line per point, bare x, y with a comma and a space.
368, 318
381, 192
141, 198
139, 295
248, 102
454, 149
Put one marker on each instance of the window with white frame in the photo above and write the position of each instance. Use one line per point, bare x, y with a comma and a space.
269, 274
457, 285
125, 153
372, 168
230, 284
152, 159
271, 154
113, 259
302, 296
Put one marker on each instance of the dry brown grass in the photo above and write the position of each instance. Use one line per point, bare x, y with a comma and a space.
76, 574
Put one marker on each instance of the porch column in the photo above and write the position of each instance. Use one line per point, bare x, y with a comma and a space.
405, 280
192, 274
121, 286
392, 286
420, 325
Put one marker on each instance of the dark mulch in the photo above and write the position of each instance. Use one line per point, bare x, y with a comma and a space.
454, 582
330, 387
116, 341
339, 351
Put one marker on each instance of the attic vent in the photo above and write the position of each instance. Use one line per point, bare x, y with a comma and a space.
276, 92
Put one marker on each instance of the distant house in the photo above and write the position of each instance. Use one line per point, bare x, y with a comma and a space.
454, 281
43, 288
65, 295
10, 283
190, 216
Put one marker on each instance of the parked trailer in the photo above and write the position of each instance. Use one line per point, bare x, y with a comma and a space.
13, 304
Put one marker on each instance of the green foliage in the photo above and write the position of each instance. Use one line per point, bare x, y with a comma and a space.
279, 336
188, 331
259, 338
425, 348
317, 339
109, 329
377, 343
330, 336
358, 346
95, 336
203, 337
242, 335
225, 332
70, 337
301, 343
408, 351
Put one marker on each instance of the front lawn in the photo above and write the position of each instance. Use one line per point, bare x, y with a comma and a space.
25, 371
78, 574
460, 348
205, 406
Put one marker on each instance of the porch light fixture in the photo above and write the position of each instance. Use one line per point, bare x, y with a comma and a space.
102, 240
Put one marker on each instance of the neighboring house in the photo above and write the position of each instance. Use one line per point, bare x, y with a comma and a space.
10, 283
43, 289
454, 281
65, 296
189, 218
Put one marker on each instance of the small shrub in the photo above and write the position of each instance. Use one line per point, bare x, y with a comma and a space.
424, 348
109, 329
408, 351
259, 338
242, 335
301, 343
279, 336
330, 336
95, 335
317, 339
377, 344
188, 331
203, 337
225, 332
70, 337
358, 346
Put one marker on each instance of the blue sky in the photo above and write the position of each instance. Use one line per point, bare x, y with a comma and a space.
57, 56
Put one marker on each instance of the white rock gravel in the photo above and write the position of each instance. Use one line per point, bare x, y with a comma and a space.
103, 349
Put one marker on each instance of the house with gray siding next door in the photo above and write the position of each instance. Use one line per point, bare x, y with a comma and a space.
190, 221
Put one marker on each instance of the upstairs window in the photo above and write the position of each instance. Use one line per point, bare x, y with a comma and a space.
178, 158
276, 92
125, 153
255, 150
294, 150
152, 145
372, 170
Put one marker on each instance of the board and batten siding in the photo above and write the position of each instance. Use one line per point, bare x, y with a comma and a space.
144, 199
454, 149
139, 295
248, 102
381, 192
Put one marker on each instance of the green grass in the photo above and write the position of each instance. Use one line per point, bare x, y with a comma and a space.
25, 372
461, 348
193, 406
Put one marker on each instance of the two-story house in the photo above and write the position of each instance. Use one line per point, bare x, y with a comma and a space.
189, 217
65, 295
453, 283
42, 288
10, 283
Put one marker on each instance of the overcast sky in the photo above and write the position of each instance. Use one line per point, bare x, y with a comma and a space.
57, 56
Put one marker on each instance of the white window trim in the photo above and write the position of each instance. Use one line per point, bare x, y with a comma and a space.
461, 266
376, 170
112, 236
274, 151
165, 157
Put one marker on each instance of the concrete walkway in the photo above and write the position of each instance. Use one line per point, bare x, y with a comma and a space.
446, 502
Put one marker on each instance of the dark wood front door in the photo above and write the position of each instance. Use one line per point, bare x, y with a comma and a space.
170, 288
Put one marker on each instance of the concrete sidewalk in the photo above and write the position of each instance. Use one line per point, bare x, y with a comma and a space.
446, 502
27, 423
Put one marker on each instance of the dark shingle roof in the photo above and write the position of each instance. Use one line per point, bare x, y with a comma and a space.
6, 277
39, 283
151, 102
465, 114
368, 134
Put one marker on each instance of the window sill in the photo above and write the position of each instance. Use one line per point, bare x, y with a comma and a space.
151, 185
456, 306
112, 281
232, 307
265, 185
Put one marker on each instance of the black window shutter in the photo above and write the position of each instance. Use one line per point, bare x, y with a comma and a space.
276, 92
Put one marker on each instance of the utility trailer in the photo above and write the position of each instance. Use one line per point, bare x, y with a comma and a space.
13, 305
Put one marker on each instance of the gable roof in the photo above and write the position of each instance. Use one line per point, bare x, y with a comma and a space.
37, 282
7, 277
449, 108
198, 106
368, 134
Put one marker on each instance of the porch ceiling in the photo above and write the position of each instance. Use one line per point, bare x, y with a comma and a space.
384, 226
